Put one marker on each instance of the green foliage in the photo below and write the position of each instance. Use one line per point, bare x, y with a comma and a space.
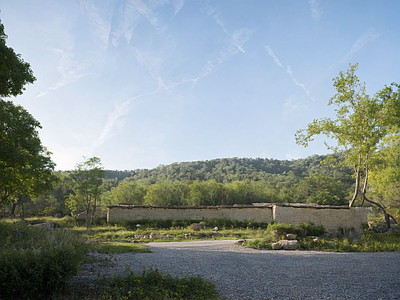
154, 285
14, 72
309, 229
127, 192
36, 263
385, 180
25, 165
87, 179
361, 123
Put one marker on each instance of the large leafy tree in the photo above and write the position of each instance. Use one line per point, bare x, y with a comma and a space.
386, 179
362, 121
25, 164
87, 185
15, 73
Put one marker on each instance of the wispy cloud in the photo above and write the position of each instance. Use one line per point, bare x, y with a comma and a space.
292, 107
289, 71
101, 25
272, 54
153, 65
69, 69
178, 4
367, 37
316, 10
120, 110
135, 10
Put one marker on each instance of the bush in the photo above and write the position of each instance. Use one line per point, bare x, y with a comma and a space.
154, 285
309, 229
35, 263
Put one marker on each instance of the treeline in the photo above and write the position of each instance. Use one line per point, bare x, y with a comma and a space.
225, 181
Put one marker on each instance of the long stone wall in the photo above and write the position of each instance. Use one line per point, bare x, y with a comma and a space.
331, 217
240, 213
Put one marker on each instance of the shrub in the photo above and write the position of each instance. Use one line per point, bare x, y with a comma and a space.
309, 229
35, 263
154, 285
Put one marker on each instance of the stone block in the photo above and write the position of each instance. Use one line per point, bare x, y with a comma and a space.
276, 246
291, 236
289, 244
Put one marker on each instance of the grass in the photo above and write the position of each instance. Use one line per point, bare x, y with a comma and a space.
148, 285
119, 247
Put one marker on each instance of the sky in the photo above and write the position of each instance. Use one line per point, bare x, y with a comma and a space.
143, 83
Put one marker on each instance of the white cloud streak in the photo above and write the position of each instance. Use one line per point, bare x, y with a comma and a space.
272, 54
292, 107
153, 64
289, 71
101, 26
178, 4
367, 37
114, 117
316, 10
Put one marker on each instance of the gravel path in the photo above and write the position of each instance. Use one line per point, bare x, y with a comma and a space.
242, 273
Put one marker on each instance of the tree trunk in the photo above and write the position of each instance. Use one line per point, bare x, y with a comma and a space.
386, 215
357, 187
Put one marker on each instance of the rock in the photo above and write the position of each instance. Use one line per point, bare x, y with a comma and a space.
203, 224
289, 244
276, 246
196, 226
291, 236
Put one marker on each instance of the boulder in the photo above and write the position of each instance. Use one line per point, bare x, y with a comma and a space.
276, 246
291, 236
196, 226
289, 244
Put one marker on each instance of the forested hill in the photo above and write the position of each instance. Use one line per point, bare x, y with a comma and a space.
225, 170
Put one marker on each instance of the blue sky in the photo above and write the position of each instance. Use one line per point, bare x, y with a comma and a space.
141, 83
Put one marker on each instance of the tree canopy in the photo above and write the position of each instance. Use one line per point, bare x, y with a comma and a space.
25, 164
15, 73
87, 186
362, 122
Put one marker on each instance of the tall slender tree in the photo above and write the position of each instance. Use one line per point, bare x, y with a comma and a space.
362, 121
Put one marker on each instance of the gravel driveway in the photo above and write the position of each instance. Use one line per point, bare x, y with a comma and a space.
242, 273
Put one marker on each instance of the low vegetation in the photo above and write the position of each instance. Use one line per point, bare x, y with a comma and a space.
313, 237
37, 263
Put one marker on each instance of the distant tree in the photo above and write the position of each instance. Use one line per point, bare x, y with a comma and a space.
166, 193
87, 180
361, 123
128, 192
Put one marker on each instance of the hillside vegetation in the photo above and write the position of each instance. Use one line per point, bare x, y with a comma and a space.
223, 181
